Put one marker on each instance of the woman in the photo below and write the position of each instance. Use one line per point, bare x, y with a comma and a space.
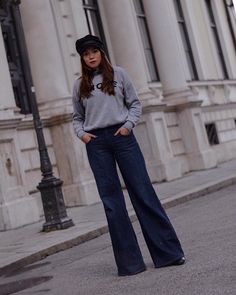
106, 108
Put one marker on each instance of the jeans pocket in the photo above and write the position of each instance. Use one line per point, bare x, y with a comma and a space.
124, 135
89, 142
92, 139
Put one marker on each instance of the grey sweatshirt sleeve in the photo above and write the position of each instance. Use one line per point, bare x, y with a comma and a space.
132, 102
78, 112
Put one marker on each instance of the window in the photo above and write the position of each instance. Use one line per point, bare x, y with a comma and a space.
216, 38
185, 40
212, 133
12, 32
142, 23
93, 18
231, 17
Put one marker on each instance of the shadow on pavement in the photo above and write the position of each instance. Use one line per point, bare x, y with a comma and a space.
16, 286
12, 273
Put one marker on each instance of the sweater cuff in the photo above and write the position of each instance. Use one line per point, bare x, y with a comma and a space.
80, 134
128, 124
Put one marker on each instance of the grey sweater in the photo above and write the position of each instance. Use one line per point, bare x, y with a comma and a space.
101, 110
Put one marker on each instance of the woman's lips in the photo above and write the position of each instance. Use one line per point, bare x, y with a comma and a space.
93, 63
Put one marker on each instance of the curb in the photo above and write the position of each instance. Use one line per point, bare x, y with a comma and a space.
180, 198
200, 191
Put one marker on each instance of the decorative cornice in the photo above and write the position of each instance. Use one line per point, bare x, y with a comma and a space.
218, 107
11, 123
9, 119
153, 105
58, 120
182, 106
49, 121
212, 83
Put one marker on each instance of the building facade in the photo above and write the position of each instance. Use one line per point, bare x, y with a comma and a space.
181, 55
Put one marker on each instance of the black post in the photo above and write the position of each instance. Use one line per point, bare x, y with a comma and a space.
50, 187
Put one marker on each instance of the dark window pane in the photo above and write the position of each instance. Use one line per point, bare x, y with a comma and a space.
189, 61
231, 18
178, 10
185, 40
210, 12
183, 36
216, 38
94, 21
139, 7
212, 133
89, 2
147, 46
10, 20
151, 65
143, 32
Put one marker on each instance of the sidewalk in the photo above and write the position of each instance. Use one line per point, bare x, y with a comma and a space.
28, 244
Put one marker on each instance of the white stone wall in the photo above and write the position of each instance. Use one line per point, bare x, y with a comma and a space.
171, 132
176, 141
30, 157
225, 120
17, 207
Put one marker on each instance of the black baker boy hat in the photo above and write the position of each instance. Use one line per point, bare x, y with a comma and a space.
88, 41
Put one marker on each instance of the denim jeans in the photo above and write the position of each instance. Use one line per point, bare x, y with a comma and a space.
103, 153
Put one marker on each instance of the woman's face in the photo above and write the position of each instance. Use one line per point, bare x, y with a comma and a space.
92, 57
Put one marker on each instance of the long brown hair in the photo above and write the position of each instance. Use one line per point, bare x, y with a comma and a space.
87, 75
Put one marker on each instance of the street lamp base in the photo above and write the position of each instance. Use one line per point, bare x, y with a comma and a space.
53, 204
56, 225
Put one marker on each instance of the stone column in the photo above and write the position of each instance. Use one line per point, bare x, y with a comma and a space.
173, 72
168, 49
126, 42
17, 208
44, 50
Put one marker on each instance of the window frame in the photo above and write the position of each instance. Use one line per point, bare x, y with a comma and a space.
230, 10
99, 26
146, 47
188, 51
212, 24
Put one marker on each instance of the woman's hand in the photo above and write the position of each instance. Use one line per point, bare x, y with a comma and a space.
122, 131
87, 137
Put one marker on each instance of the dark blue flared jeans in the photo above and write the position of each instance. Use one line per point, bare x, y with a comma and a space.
103, 153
